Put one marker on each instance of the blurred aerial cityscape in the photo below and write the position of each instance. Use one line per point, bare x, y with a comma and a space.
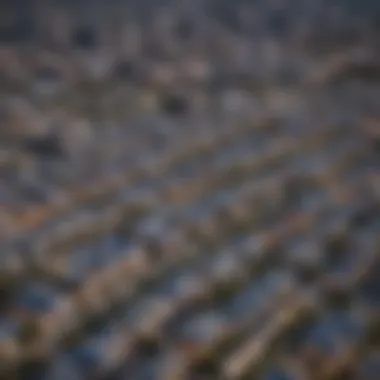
190, 189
